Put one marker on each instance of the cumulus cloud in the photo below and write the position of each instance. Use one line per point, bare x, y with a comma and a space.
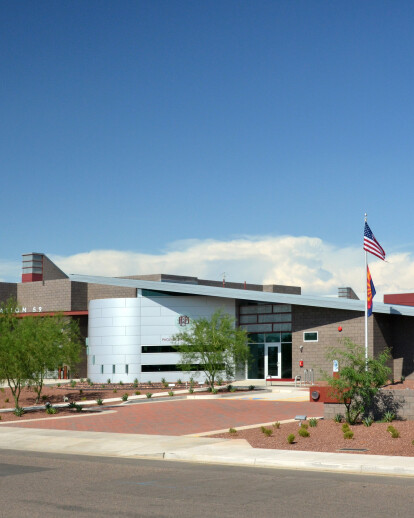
318, 267
9, 271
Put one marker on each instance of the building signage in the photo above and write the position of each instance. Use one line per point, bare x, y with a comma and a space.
183, 320
34, 309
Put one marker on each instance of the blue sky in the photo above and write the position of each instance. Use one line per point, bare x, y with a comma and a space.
142, 126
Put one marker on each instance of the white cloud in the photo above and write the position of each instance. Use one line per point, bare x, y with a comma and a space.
318, 267
9, 271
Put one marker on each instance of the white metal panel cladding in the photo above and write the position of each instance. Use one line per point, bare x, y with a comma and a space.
117, 332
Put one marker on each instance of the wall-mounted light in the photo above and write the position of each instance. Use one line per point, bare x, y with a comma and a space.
301, 348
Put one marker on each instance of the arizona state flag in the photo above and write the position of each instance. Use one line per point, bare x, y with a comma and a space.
370, 291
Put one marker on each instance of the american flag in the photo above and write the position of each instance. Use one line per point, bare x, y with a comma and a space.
371, 245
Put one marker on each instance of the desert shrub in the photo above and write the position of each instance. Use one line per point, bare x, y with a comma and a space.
191, 390
251, 387
108, 381
313, 422
88, 381
219, 381
393, 431
115, 391
349, 434
18, 411
72, 404
125, 397
345, 427
233, 430
303, 432
338, 418
179, 382
83, 398
73, 383
276, 425
79, 408
388, 417
137, 393
367, 421
291, 438
163, 380
51, 410
58, 385
214, 391
171, 393
44, 397
209, 389
121, 382
165, 384
304, 425
229, 388
150, 383
149, 395
99, 401
268, 432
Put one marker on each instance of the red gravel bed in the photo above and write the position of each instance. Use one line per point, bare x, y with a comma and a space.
328, 437
7, 417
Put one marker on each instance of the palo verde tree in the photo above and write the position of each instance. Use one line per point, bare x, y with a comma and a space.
358, 381
213, 346
53, 341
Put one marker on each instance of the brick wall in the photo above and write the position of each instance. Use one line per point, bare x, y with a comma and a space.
51, 271
99, 291
49, 295
7, 290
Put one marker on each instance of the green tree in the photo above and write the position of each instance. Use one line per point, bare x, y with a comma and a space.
358, 381
213, 346
14, 356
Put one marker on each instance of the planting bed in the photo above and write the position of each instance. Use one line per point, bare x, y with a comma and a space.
328, 437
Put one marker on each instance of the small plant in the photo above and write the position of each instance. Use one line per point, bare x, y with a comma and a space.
79, 408
165, 384
219, 381
149, 395
83, 398
229, 388
345, 427
392, 381
51, 410
412, 442
136, 382
209, 389
6, 400
121, 382
402, 379
367, 421
58, 385
115, 391
233, 389
276, 425
73, 383
137, 393
18, 411
125, 397
214, 391
233, 430
108, 381
150, 383
170, 393
388, 417
304, 425
99, 401
191, 390
80, 391
2, 389
393, 431
349, 434
103, 386
338, 418
163, 381
81, 380
251, 387
88, 381
313, 422
291, 438
72, 404
179, 382
44, 397
303, 432
268, 432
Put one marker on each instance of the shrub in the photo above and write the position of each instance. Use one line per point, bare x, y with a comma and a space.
79, 408
367, 421
303, 432
44, 397
304, 425
58, 385
121, 382
219, 381
149, 395
402, 379
345, 427
313, 422
171, 393
393, 431
233, 430
291, 438
209, 389
191, 390
108, 381
88, 381
6, 400
338, 418
115, 391
276, 425
349, 434
214, 391
165, 384
251, 387
72, 404
163, 380
51, 410
136, 381
229, 388
18, 411
72, 383
233, 389
125, 397
412, 442
81, 380
179, 382
388, 417
83, 398
268, 432
150, 383
80, 391
137, 393
99, 401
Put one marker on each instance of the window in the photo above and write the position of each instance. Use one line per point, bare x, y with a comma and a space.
93, 360
158, 349
113, 369
310, 337
126, 369
102, 369
167, 368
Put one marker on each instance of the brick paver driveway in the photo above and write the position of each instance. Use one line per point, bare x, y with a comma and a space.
180, 417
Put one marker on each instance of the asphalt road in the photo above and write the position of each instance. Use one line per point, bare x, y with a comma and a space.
44, 485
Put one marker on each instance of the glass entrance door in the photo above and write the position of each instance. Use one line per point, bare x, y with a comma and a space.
273, 363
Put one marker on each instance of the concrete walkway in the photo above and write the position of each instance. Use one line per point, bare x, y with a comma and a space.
201, 449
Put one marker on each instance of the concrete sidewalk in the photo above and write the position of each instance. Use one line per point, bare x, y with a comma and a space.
200, 449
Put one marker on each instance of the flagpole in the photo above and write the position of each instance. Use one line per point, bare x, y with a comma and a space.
366, 308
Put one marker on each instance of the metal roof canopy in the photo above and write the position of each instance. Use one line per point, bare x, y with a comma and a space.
254, 296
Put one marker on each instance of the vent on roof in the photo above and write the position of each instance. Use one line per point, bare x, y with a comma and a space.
32, 267
347, 293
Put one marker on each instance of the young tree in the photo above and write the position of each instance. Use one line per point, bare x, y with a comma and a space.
358, 381
213, 346
14, 355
